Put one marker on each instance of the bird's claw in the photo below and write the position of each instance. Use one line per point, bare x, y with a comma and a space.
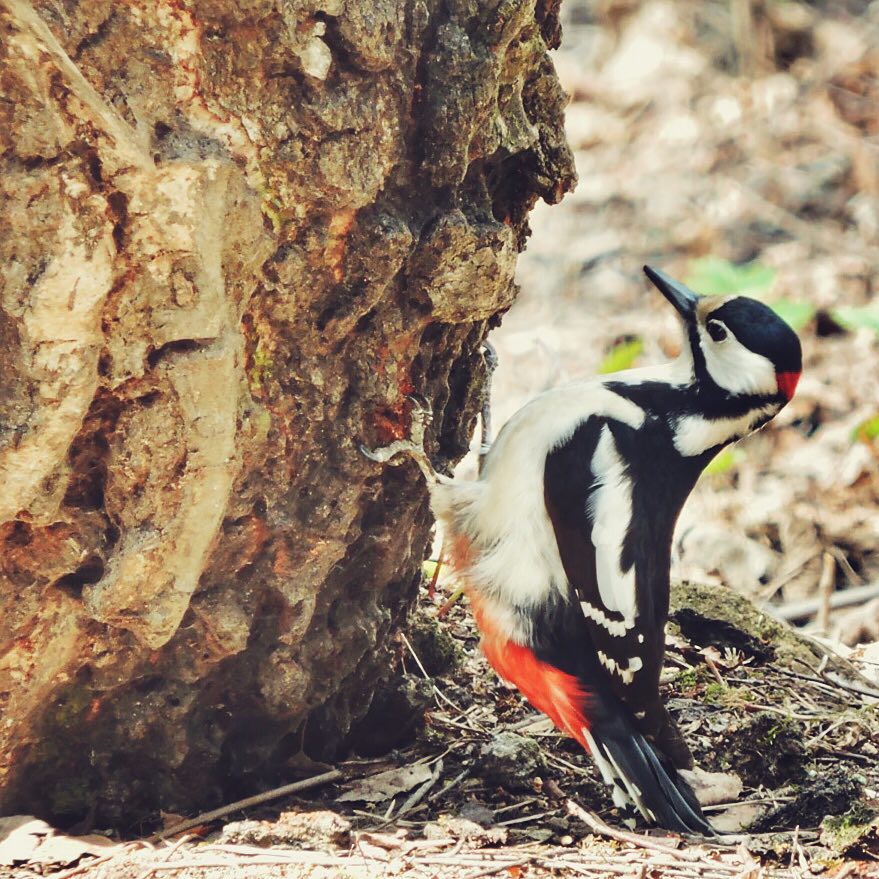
385, 454
420, 407
376, 455
420, 416
490, 356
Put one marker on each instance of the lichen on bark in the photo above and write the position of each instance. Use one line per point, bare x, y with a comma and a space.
233, 240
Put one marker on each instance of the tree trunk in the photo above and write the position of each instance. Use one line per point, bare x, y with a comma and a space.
234, 237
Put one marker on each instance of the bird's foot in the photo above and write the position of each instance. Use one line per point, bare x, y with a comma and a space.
421, 416
489, 355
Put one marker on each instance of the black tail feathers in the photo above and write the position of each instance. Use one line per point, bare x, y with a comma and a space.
638, 777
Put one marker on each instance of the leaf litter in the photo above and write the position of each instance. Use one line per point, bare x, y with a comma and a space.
736, 146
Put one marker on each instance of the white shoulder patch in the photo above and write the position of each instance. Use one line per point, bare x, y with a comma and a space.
610, 506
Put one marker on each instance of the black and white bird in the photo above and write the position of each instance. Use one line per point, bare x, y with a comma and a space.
564, 541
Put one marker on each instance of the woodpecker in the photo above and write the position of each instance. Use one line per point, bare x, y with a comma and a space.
563, 543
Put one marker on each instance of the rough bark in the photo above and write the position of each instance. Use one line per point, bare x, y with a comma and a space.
233, 238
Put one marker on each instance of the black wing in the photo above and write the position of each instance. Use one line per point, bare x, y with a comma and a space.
602, 528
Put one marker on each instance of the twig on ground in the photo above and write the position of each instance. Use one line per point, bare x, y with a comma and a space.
97, 862
826, 588
446, 788
440, 561
826, 731
256, 800
855, 578
169, 854
518, 805
712, 667
437, 691
497, 868
756, 801
595, 823
788, 572
413, 799
453, 599
276, 860
799, 610
523, 818
834, 681
559, 761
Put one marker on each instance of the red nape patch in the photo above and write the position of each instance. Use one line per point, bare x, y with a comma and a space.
559, 695
787, 382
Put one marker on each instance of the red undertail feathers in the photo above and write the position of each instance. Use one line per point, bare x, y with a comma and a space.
560, 696
602, 724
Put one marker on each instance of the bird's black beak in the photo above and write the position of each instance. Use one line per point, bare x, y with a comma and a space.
678, 294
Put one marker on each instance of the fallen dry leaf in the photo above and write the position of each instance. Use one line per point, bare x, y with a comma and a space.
28, 840
712, 788
384, 785
736, 818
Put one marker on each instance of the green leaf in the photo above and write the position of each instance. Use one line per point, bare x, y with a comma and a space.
867, 430
622, 356
428, 568
723, 462
795, 314
712, 276
854, 317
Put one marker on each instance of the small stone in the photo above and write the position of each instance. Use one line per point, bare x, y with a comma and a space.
509, 759
462, 828
321, 829
478, 813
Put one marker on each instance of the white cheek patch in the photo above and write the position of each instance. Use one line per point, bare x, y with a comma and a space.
736, 368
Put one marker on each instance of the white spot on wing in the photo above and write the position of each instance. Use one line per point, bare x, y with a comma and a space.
617, 628
634, 664
611, 509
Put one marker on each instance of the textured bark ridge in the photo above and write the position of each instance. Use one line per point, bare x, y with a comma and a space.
233, 238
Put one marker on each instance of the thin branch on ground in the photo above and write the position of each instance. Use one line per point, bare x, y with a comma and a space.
248, 802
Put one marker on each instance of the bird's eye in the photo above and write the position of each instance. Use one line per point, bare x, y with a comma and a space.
716, 330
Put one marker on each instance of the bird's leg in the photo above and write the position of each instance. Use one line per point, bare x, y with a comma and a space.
489, 354
413, 446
